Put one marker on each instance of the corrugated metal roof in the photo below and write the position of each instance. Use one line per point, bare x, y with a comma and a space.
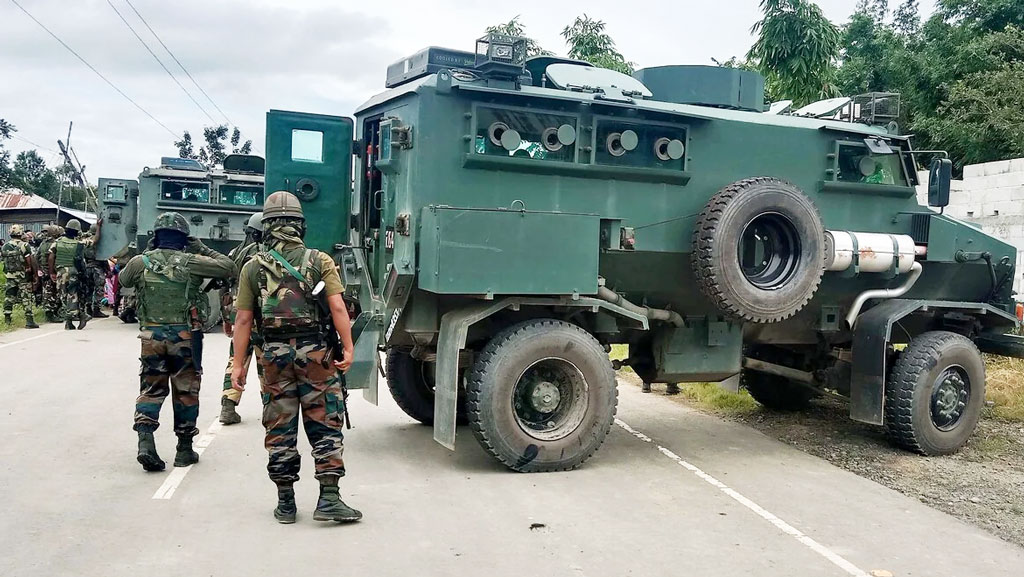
14, 198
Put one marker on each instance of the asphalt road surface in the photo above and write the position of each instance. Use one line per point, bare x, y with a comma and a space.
672, 492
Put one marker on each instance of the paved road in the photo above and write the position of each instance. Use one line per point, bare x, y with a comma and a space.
672, 492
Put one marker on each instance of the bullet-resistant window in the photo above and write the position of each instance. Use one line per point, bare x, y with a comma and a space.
858, 164
307, 145
241, 195
525, 134
186, 191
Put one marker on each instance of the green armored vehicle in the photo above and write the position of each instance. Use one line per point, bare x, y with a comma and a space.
501, 222
216, 202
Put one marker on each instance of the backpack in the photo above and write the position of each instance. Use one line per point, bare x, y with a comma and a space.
13, 256
287, 307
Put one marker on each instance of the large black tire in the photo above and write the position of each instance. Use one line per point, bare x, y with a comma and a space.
935, 393
783, 257
775, 392
517, 371
411, 383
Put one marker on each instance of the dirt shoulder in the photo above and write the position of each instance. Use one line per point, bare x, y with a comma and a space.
983, 484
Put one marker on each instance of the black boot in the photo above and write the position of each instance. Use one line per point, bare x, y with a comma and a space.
30, 322
97, 313
82, 319
68, 325
228, 415
7, 319
330, 507
185, 455
148, 458
285, 510
671, 389
645, 388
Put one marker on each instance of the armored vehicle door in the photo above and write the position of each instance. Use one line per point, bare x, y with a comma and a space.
119, 209
310, 155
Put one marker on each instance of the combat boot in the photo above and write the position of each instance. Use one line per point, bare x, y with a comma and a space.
148, 458
185, 455
645, 388
30, 322
82, 319
228, 415
7, 319
330, 507
97, 313
68, 325
671, 389
285, 510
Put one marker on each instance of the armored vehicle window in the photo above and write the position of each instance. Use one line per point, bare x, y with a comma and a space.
858, 164
114, 192
525, 134
185, 191
241, 195
307, 145
639, 145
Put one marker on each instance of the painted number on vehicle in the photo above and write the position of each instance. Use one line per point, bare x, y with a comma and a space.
389, 238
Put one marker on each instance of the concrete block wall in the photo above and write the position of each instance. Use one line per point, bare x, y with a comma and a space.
990, 195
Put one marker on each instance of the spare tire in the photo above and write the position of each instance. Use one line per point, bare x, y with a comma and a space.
759, 249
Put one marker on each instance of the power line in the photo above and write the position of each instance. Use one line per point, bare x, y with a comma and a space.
22, 138
158, 61
185, 70
97, 72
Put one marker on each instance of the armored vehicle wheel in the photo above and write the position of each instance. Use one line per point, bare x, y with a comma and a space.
759, 249
542, 396
775, 392
935, 393
411, 382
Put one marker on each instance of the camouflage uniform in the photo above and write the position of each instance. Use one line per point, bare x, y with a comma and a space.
230, 395
95, 274
51, 301
171, 306
69, 266
19, 276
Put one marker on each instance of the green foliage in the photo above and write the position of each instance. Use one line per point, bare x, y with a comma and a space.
588, 41
796, 49
6, 130
712, 397
215, 150
515, 28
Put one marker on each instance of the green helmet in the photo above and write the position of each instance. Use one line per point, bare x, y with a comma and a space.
282, 204
255, 222
171, 221
93, 229
73, 224
17, 230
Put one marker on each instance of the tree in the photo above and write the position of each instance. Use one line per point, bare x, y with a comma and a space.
796, 49
515, 28
6, 130
588, 41
215, 150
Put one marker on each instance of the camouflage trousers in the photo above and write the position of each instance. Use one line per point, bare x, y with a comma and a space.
51, 300
69, 287
18, 290
296, 382
167, 369
97, 282
230, 392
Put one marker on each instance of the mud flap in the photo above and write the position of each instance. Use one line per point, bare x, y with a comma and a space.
363, 372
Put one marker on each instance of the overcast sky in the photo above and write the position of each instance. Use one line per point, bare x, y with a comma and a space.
322, 56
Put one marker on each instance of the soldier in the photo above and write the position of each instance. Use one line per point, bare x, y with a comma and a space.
172, 311
20, 270
239, 255
51, 300
300, 374
96, 274
67, 269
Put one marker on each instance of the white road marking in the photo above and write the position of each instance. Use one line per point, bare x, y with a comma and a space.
783, 526
57, 332
166, 491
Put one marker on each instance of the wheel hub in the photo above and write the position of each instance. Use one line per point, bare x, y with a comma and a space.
950, 394
549, 400
545, 397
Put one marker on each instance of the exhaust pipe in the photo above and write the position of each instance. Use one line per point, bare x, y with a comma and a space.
858, 303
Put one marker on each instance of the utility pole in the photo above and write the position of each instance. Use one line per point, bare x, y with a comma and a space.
76, 172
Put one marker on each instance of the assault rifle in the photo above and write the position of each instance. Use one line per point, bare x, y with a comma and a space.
335, 352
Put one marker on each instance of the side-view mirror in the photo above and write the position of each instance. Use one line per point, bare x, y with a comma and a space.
940, 174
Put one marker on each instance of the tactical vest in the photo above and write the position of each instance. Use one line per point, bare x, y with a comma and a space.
43, 251
90, 249
66, 252
14, 252
287, 307
167, 294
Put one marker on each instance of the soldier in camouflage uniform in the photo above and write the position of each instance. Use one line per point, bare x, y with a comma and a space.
301, 378
240, 255
95, 274
20, 270
46, 286
172, 311
67, 269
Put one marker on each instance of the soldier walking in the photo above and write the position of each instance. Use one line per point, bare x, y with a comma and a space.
301, 375
172, 310
20, 270
67, 269
95, 274
51, 304
240, 255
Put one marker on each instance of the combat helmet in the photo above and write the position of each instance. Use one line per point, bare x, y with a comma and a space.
73, 224
171, 221
17, 230
255, 222
282, 204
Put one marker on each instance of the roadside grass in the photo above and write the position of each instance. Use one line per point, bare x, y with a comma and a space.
1004, 387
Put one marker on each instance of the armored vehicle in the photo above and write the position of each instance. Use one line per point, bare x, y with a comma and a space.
216, 202
502, 222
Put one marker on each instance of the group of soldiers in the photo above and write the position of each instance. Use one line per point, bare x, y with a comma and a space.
56, 269
285, 308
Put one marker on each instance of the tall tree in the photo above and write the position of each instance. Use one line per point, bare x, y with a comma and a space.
515, 28
6, 130
588, 41
216, 148
796, 49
